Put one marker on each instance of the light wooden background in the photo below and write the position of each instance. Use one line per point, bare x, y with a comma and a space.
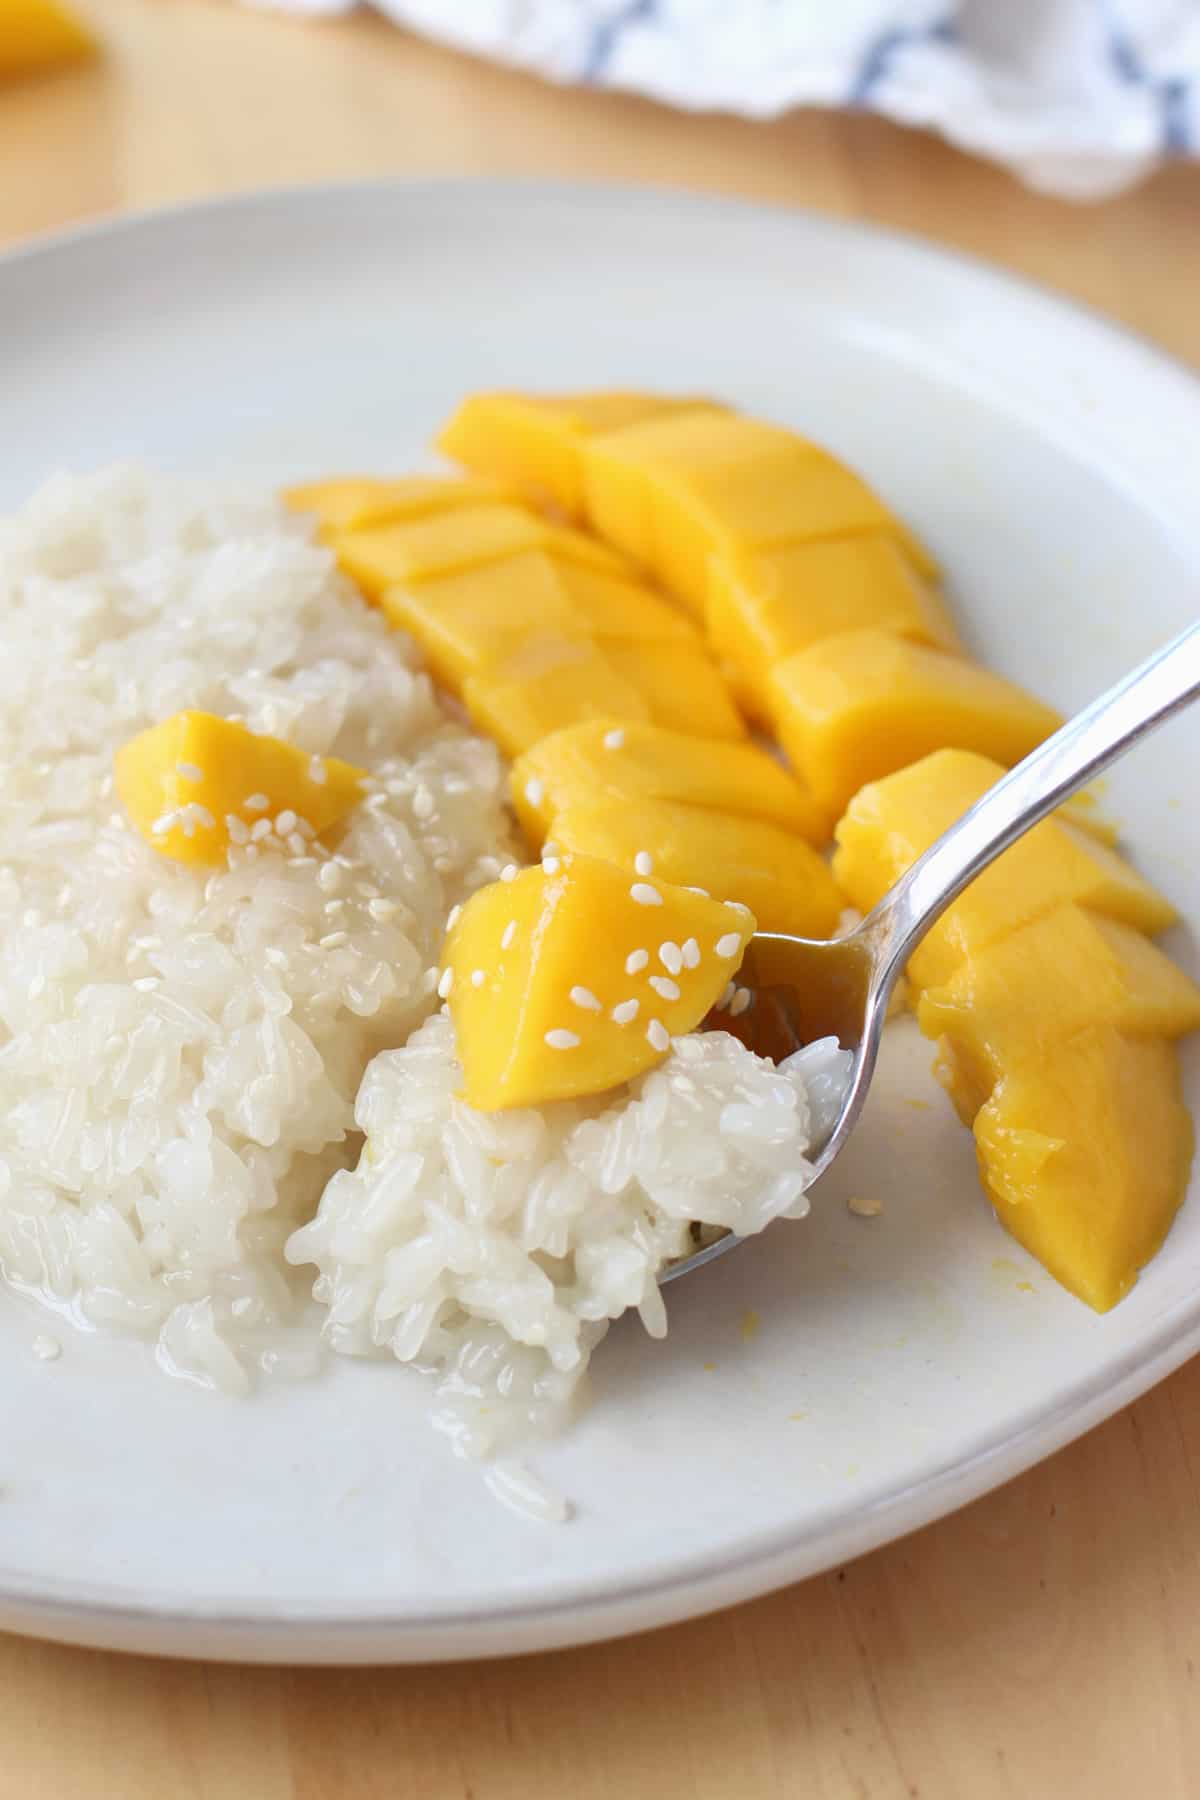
1044, 1642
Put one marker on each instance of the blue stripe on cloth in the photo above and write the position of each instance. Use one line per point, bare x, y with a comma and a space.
881, 53
607, 35
1173, 96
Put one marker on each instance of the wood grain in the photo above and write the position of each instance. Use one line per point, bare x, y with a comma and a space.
1045, 1640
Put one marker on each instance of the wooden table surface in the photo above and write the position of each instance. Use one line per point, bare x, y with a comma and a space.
1045, 1641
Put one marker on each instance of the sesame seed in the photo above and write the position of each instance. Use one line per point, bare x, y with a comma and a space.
239, 831
740, 1002
189, 771
703, 892
535, 790
551, 864
445, 983
671, 957
726, 996
657, 1035
691, 954
614, 739
729, 945
329, 877
509, 872
645, 895
643, 863
163, 823
478, 977
260, 830
333, 940
664, 986
636, 961
295, 843
382, 909
318, 774
738, 906
625, 1013
285, 821
508, 934
584, 997
562, 1040
255, 803
452, 917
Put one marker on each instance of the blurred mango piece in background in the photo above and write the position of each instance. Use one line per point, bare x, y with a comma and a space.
39, 34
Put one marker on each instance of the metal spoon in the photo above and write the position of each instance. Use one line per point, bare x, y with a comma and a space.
804, 989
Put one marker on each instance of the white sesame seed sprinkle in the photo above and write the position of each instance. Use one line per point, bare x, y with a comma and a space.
727, 994
665, 987
333, 940
285, 821
625, 1013
703, 892
535, 790
189, 771
729, 945
644, 894
559, 1039
671, 957
551, 864
584, 998
636, 961
509, 872
657, 1035
259, 830
255, 803
738, 906
478, 977
445, 983
163, 823
508, 934
643, 863
318, 774
613, 740
452, 917
740, 1002
691, 954
239, 831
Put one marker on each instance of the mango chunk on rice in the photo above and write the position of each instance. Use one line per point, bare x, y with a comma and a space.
40, 34
535, 440
574, 977
783, 880
597, 760
350, 502
197, 783
863, 704
891, 822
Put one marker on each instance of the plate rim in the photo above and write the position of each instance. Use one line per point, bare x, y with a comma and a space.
590, 1610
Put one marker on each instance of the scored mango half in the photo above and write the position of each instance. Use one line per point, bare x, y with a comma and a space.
198, 783
574, 978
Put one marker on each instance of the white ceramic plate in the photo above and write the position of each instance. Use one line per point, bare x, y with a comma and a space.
900, 1366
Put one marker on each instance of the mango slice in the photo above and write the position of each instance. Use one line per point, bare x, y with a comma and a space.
545, 685
783, 881
891, 822
762, 605
575, 977
1084, 1149
1066, 972
863, 704
39, 34
619, 608
597, 761
349, 502
197, 783
682, 687
413, 550
535, 440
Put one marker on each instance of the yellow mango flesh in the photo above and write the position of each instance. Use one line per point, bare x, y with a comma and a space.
596, 761
535, 440
1084, 1149
533, 1016
783, 881
762, 605
890, 823
682, 686
350, 502
39, 34
182, 782
545, 685
614, 607
1063, 973
383, 556
861, 705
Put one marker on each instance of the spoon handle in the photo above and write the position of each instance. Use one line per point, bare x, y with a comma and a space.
1161, 686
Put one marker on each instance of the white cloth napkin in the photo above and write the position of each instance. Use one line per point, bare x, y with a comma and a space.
1078, 96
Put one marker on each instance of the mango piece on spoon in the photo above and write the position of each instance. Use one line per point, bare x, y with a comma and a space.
574, 977
197, 783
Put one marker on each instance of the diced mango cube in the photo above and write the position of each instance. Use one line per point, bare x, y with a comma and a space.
682, 686
596, 761
350, 502
1062, 973
40, 34
784, 882
197, 783
863, 704
1084, 1149
764, 604
546, 684
470, 619
573, 979
890, 823
534, 440
414, 550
